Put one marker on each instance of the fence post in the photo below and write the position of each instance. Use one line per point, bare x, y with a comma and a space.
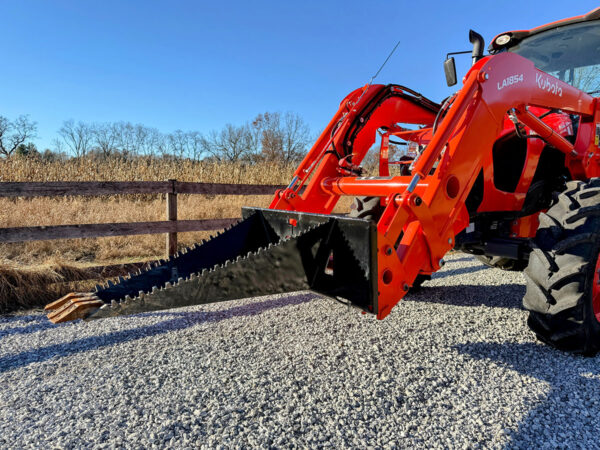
172, 216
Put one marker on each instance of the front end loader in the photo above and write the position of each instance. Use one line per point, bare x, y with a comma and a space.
505, 169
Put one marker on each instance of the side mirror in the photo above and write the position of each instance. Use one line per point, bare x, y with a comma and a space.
450, 71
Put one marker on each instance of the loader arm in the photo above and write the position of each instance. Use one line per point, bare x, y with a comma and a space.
301, 245
424, 212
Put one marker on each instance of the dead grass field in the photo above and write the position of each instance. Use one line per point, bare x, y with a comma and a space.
143, 169
33, 273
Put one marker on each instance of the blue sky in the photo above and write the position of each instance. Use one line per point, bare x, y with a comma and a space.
196, 65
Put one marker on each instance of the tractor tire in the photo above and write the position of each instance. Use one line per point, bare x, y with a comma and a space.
370, 208
563, 275
366, 208
512, 265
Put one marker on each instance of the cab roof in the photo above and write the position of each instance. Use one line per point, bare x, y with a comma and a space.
519, 35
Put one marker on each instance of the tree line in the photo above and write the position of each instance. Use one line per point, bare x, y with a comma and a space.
270, 136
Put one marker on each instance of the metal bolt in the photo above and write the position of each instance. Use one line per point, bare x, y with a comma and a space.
449, 240
442, 262
388, 251
406, 287
418, 201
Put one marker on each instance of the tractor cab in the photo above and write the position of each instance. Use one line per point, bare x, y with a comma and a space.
568, 50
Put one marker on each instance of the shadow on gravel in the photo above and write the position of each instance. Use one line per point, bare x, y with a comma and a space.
460, 271
503, 296
34, 323
181, 321
569, 415
462, 259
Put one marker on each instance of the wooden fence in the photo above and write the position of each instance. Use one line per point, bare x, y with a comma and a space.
171, 226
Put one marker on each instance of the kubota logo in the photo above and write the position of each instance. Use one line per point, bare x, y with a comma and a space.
508, 81
546, 84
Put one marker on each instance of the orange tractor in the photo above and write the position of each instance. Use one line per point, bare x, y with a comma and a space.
504, 169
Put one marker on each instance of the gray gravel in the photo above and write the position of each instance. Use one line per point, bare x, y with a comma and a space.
453, 366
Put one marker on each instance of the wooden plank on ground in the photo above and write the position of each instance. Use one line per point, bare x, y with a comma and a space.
23, 234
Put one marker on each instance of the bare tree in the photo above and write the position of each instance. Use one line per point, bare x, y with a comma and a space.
296, 137
126, 137
15, 133
78, 137
148, 141
267, 128
104, 138
232, 143
283, 138
194, 144
177, 142
59, 146
185, 144
271, 137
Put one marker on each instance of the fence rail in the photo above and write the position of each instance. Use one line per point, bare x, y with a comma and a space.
97, 188
171, 226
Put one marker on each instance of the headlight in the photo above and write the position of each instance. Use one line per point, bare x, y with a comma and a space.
503, 39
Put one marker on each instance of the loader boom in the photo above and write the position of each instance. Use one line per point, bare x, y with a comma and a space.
425, 211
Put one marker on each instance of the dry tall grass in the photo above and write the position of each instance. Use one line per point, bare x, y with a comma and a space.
143, 169
32, 273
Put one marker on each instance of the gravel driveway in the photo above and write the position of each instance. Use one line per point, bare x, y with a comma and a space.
454, 365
